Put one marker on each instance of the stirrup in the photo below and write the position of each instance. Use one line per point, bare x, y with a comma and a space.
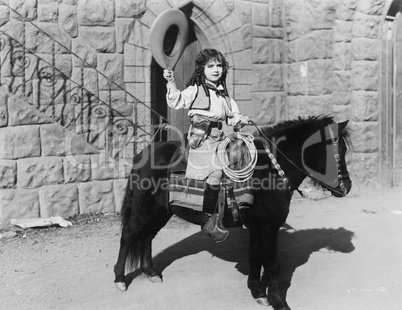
214, 228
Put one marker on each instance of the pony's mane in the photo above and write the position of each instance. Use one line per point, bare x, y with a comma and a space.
298, 127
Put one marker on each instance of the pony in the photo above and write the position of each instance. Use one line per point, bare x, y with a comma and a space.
288, 152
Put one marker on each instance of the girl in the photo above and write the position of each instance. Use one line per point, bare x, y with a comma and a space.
209, 104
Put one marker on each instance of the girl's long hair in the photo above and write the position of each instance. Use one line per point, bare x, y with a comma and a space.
203, 57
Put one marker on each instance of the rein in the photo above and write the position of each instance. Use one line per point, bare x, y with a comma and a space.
334, 142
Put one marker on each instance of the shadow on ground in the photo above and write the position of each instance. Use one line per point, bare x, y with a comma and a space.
295, 248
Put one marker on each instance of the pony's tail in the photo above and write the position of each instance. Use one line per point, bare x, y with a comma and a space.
133, 255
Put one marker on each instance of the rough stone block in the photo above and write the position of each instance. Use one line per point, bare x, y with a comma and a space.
365, 75
96, 197
342, 31
117, 100
342, 56
264, 108
22, 113
261, 16
112, 67
19, 142
244, 11
85, 53
314, 45
4, 15
268, 77
105, 168
242, 92
342, 80
132, 8
48, 12
268, 51
89, 80
315, 105
321, 14
119, 188
342, 112
3, 108
296, 79
18, 203
320, 81
364, 168
26, 9
366, 26
365, 49
346, 10
59, 200
96, 12
123, 31
367, 133
236, 40
296, 23
268, 32
218, 11
103, 39
53, 140
40, 171
58, 141
39, 42
277, 11
8, 173
242, 76
77, 168
341, 97
230, 23
365, 106
371, 7
68, 20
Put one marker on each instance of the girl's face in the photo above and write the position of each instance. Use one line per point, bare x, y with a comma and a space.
213, 71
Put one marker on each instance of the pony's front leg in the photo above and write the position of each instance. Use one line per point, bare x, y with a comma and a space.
270, 278
258, 291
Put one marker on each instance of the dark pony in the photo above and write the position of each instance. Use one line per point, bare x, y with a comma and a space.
313, 147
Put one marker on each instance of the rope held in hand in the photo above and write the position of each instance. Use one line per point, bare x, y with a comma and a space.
245, 173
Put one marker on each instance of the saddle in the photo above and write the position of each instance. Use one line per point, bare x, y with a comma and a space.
189, 193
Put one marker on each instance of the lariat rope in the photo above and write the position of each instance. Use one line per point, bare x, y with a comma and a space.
245, 173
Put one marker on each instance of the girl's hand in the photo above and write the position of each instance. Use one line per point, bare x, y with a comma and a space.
168, 75
244, 120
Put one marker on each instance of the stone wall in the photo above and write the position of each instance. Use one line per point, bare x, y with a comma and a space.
46, 170
332, 65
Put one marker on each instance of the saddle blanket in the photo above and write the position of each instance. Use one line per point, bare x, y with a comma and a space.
189, 193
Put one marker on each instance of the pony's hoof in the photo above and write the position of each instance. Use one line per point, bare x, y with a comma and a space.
263, 301
121, 286
155, 279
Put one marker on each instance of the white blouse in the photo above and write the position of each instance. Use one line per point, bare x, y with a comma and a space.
219, 109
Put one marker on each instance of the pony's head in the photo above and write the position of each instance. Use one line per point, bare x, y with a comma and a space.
314, 147
327, 163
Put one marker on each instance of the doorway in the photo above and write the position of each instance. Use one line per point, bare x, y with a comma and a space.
178, 119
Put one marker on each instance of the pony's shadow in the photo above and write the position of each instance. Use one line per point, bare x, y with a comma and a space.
295, 248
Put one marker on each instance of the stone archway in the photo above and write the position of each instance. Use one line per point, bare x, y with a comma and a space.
391, 95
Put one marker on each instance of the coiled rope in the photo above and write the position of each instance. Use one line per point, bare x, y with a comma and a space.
245, 173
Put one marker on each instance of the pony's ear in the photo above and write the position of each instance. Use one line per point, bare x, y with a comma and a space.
343, 125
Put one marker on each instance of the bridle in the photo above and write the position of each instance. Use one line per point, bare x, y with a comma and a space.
337, 159
341, 176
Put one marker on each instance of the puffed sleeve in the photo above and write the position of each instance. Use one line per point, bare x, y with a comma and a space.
233, 120
177, 99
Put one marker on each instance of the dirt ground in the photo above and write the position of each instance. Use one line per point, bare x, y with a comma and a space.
335, 254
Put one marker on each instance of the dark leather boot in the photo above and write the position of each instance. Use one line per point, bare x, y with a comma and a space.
211, 222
